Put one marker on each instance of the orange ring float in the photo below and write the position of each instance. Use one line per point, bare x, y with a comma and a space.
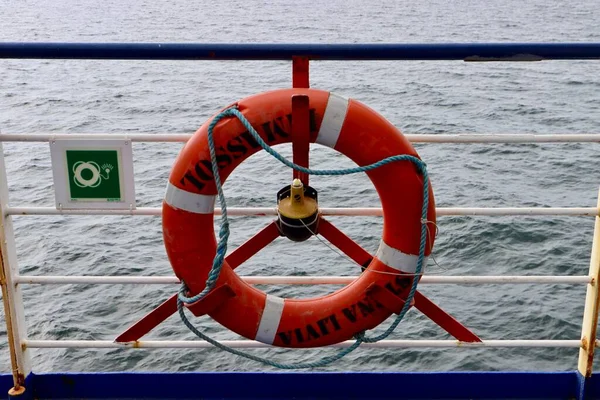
345, 125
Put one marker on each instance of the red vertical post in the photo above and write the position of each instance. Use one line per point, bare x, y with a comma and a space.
300, 117
300, 134
300, 72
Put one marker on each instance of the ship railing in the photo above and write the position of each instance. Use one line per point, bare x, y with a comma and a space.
11, 279
17, 312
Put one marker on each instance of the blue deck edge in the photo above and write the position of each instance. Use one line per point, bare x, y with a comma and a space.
310, 385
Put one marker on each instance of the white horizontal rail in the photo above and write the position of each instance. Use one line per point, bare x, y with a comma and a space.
137, 137
504, 138
415, 138
249, 344
303, 280
359, 211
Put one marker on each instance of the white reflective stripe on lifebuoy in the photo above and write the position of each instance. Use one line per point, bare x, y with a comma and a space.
398, 260
269, 322
188, 201
333, 120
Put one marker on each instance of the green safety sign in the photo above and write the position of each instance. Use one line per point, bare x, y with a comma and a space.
94, 174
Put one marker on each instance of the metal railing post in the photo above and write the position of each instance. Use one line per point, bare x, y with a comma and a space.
592, 301
11, 293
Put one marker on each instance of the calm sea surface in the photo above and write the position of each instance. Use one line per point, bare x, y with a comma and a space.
418, 97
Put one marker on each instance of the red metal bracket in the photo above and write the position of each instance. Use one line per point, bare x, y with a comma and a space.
149, 321
300, 72
300, 116
387, 299
421, 303
300, 134
169, 307
213, 299
340, 240
253, 245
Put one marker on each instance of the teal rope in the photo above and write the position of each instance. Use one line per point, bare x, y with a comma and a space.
215, 270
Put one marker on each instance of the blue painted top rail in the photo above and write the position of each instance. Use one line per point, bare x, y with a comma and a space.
257, 51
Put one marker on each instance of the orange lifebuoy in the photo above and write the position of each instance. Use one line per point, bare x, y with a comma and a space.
345, 125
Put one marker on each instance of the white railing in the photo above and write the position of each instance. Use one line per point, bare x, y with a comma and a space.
251, 344
355, 212
415, 138
302, 280
12, 280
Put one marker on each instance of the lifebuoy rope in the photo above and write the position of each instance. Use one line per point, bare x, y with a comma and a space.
215, 271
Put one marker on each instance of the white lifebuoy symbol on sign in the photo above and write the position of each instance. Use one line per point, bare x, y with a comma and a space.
81, 166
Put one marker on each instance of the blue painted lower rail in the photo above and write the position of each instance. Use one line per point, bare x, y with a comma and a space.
310, 385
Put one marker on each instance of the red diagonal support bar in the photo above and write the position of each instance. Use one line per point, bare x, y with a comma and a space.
422, 303
169, 307
149, 321
344, 243
253, 245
